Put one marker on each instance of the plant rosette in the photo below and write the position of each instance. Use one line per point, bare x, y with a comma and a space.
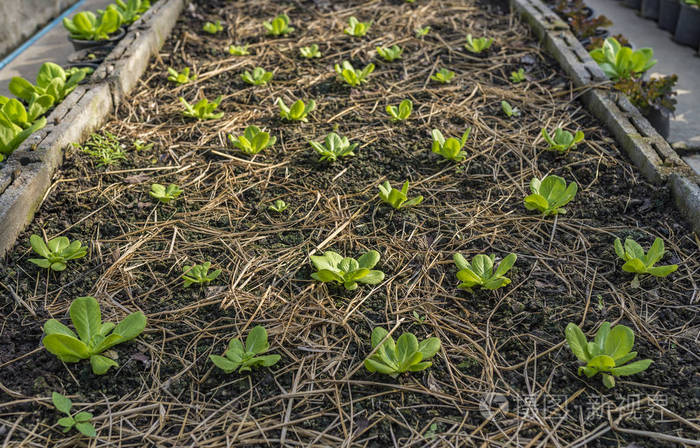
83, 44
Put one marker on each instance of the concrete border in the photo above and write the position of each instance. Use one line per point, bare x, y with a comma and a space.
650, 152
27, 174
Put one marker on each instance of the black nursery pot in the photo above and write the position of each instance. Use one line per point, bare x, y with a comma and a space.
634, 4
668, 14
650, 9
660, 121
688, 26
80, 44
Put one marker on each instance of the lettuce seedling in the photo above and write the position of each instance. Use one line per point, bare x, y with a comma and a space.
131, 10
246, 358
356, 28
332, 267
94, 336
478, 45
182, 77
238, 50
12, 135
404, 355
480, 271
608, 354
87, 26
390, 54
421, 32
165, 194
620, 62
310, 52
397, 198
56, 253
298, 112
279, 26
51, 80
450, 148
141, 145
278, 206
79, 421
334, 147
351, 76
509, 110
105, 148
637, 262
199, 274
203, 109
550, 194
258, 77
252, 141
213, 28
562, 140
519, 76
402, 112
443, 76
13, 110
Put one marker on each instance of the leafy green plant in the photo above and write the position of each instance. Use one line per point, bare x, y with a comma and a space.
332, 267
398, 199
94, 336
79, 421
11, 135
353, 77
13, 111
390, 54
656, 94
213, 28
258, 77
402, 112
246, 358
550, 194
199, 274
479, 44
638, 262
450, 148
443, 76
297, 112
130, 10
56, 253
203, 109
404, 355
180, 78
356, 28
518, 76
51, 80
421, 32
509, 110
619, 62
279, 26
252, 141
608, 354
141, 145
238, 50
310, 52
562, 140
278, 206
165, 194
87, 26
334, 147
105, 148
480, 271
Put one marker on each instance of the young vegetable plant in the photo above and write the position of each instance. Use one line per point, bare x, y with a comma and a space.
94, 336
258, 77
56, 253
404, 355
637, 262
165, 194
334, 147
180, 78
141, 145
279, 26
451, 148
105, 148
12, 135
79, 421
51, 80
608, 354
252, 141
203, 109
213, 28
397, 198
278, 206
243, 359
238, 50
353, 77
87, 26
519, 76
421, 32
332, 267
356, 28
13, 112
443, 76
509, 110
562, 140
131, 10
310, 52
619, 62
199, 274
390, 54
297, 112
402, 112
550, 194
480, 271
478, 45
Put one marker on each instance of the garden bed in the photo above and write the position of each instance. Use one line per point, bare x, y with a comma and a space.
166, 392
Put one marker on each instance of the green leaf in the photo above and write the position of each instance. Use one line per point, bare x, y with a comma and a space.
66, 422
406, 347
67, 348
131, 326
656, 252
85, 314
608, 381
663, 271
100, 364
377, 366
224, 364
505, 265
256, 342
372, 278
602, 363
619, 342
53, 326
369, 259
81, 417
577, 342
632, 368
619, 250
86, 429
39, 246
61, 402
429, 347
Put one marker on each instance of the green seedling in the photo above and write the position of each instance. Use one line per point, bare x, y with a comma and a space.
398, 199
12, 135
478, 45
310, 52
402, 112
165, 194
562, 140
93, 338
480, 271
443, 76
87, 26
418, 318
619, 62
422, 32
390, 54
243, 359
258, 77
451, 148
51, 80
404, 355
203, 109
332, 267
509, 110
56, 252
519, 76
180, 78
637, 262
278, 206
608, 354
252, 141
106, 148
279, 26
353, 77
199, 274
238, 50
130, 10
12, 111
297, 112
550, 194
141, 145
213, 28
334, 148
356, 28
79, 421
